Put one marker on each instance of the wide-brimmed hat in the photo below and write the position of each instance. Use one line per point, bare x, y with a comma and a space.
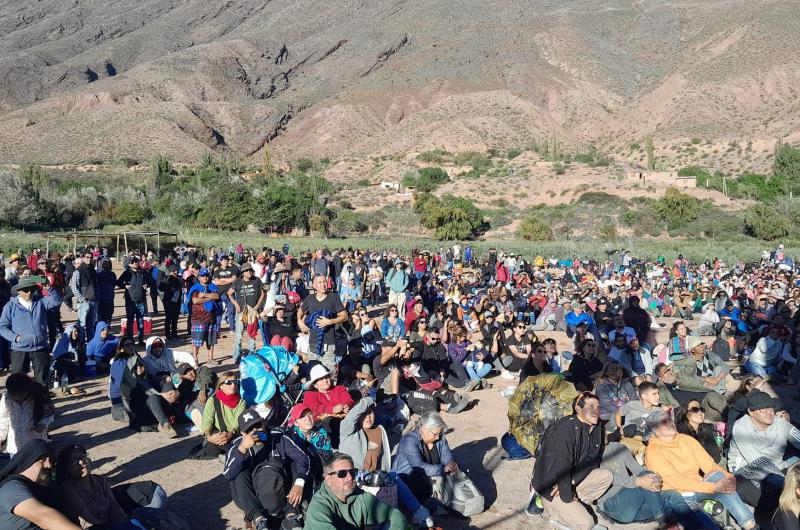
28, 282
318, 371
246, 267
280, 267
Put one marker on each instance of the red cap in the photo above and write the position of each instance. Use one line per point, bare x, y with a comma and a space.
297, 412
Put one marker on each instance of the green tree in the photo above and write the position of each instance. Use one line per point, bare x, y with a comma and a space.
765, 222
160, 171
786, 166
677, 208
450, 217
228, 210
534, 229
648, 149
129, 213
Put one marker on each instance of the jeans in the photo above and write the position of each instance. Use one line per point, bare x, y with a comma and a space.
156, 402
230, 311
404, 495
153, 512
87, 316
135, 310
476, 372
634, 505
237, 339
761, 371
731, 501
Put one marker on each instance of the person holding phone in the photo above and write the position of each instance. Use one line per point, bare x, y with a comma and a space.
267, 471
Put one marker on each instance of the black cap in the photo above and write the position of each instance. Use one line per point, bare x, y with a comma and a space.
758, 400
185, 368
248, 418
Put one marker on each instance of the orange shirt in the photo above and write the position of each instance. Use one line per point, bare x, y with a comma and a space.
679, 463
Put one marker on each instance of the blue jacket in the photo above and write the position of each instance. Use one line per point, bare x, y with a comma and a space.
409, 456
573, 319
29, 326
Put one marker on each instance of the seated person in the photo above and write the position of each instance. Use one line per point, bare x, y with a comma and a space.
87, 498
283, 331
161, 361
701, 370
148, 406
26, 411
757, 454
340, 504
586, 364
635, 495
423, 457
679, 459
266, 494
518, 346
69, 354
631, 417
635, 360
437, 363
767, 356
737, 403
567, 474
312, 439
26, 501
690, 420
787, 517
368, 445
674, 395
537, 363
103, 345
194, 385
613, 390
329, 403
220, 417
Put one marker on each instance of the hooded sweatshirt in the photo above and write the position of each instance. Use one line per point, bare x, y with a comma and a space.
158, 365
30, 325
99, 349
359, 510
65, 347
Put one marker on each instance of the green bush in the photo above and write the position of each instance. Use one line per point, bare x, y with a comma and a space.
160, 171
786, 166
129, 213
348, 222
532, 228
435, 156
228, 210
677, 208
559, 168
449, 217
303, 164
764, 222
513, 153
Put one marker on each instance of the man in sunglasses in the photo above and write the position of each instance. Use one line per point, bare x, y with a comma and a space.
84, 286
267, 472
341, 504
23, 323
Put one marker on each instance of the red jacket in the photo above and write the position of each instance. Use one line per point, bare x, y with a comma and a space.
502, 272
320, 403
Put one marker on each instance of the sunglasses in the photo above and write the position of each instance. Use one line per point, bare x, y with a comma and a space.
342, 473
695, 410
230, 382
520, 327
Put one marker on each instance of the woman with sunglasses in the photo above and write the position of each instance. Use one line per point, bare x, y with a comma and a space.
537, 363
392, 327
690, 420
585, 365
518, 347
220, 415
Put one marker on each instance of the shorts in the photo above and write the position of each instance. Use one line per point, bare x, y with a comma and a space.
204, 334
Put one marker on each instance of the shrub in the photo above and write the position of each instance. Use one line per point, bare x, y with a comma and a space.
677, 208
764, 222
450, 217
513, 153
534, 229
348, 222
559, 168
787, 165
228, 210
304, 164
363, 183
160, 171
435, 156
318, 225
129, 213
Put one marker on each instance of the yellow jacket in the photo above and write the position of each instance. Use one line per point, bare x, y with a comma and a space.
679, 463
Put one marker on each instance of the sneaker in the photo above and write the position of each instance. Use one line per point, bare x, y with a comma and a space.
505, 374
167, 430
473, 384
460, 405
292, 522
422, 518
535, 507
261, 523
485, 385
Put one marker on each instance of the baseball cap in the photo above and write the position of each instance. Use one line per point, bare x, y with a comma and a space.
297, 412
248, 418
204, 272
758, 400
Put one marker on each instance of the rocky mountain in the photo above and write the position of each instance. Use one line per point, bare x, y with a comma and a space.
84, 80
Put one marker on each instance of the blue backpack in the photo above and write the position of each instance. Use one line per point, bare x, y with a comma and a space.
513, 449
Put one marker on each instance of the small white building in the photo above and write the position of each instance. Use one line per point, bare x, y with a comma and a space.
387, 185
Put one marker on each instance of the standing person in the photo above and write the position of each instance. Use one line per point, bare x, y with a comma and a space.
56, 280
204, 298
23, 323
567, 472
318, 315
84, 287
106, 283
156, 277
248, 297
172, 287
224, 277
135, 282
397, 280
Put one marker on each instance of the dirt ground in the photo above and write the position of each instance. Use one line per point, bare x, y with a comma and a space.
200, 494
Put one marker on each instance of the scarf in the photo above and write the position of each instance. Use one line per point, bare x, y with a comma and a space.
229, 400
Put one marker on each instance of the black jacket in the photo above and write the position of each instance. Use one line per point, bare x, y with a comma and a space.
277, 447
567, 454
136, 282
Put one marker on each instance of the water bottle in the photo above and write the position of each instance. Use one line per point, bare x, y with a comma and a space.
64, 381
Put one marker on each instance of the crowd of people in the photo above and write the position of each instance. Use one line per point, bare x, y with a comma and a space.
347, 363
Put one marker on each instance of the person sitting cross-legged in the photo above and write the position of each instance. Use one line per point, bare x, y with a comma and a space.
267, 493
